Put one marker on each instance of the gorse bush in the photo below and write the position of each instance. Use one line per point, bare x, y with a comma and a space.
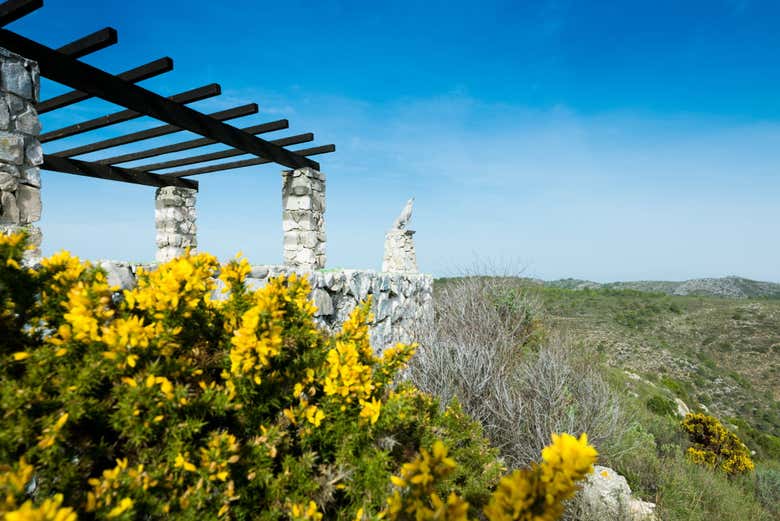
715, 446
161, 402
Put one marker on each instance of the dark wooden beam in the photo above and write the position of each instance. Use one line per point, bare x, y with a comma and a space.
90, 43
144, 72
96, 82
325, 149
237, 112
114, 173
188, 145
221, 154
190, 96
15, 9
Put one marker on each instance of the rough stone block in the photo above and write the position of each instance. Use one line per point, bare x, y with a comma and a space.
8, 182
34, 153
28, 122
167, 253
28, 199
298, 203
9, 212
118, 275
305, 258
16, 105
323, 302
15, 78
5, 115
31, 176
11, 148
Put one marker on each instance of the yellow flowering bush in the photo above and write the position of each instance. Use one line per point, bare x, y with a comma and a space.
715, 446
163, 402
532, 494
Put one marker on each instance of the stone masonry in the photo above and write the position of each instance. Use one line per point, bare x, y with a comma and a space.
174, 216
20, 151
402, 303
400, 256
303, 218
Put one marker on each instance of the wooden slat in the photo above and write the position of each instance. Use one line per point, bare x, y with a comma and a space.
91, 43
188, 145
14, 9
96, 82
114, 173
190, 96
144, 72
325, 149
221, 154
237, 112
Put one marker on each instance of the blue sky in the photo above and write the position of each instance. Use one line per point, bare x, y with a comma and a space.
602, 140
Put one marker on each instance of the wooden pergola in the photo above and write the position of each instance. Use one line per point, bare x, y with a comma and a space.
62, 65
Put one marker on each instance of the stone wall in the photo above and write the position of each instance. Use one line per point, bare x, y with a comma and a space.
20, 151
402, 303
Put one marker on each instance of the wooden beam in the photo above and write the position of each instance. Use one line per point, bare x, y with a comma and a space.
188, 145
325, 149
190, 96
144, 72
96, 82
237, 112
91, 43
114, 173
222, 154
15, 9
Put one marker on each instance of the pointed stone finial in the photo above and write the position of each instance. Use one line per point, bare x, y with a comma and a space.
400, 256
404, 216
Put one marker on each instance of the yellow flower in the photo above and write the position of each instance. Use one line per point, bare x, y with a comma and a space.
124, 505
181, 462
49, 510
299, 512
370, 409
314, 415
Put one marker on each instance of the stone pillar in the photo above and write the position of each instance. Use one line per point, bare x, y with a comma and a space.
174, 216
20, 150
303, 218
399, 252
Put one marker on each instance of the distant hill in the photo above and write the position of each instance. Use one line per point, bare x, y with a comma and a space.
729, 287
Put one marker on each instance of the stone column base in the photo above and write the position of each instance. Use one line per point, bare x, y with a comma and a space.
175, 220
400, 256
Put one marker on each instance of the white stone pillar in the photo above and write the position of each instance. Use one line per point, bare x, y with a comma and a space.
400, 256
303, 218
174, 216
20, 150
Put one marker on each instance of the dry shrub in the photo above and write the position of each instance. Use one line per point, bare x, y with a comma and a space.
489, 350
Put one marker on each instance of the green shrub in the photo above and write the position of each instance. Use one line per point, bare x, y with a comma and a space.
162, 402
768, 489
694, 493
661, 405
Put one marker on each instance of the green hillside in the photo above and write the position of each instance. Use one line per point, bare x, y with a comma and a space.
729, 287
716, 354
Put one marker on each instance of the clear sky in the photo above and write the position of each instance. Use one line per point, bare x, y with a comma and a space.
613, 140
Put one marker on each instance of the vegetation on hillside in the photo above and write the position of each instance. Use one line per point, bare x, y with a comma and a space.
655, 351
